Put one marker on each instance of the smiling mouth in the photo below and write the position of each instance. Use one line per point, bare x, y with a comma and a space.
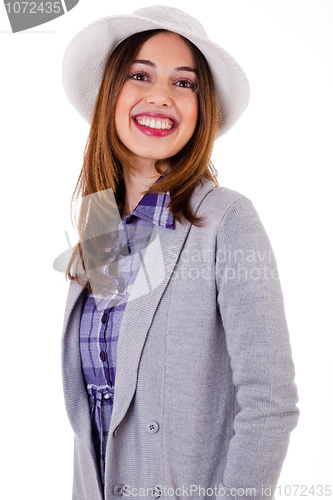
157, 124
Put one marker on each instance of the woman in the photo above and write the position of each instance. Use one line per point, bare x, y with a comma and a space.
177, 368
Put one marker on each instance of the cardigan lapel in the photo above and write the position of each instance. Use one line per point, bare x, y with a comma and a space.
147, 291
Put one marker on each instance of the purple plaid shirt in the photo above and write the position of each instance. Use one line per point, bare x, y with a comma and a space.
101, 318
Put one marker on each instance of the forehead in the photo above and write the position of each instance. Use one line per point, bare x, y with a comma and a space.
167, 46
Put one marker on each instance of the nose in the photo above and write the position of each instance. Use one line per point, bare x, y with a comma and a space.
159, 94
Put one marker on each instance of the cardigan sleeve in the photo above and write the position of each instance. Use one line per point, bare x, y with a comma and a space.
251, 306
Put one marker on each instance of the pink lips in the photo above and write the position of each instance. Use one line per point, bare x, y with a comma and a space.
152, 132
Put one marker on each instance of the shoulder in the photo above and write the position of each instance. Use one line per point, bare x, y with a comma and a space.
221, 203
231, 217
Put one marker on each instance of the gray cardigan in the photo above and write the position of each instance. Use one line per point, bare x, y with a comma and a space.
205, 398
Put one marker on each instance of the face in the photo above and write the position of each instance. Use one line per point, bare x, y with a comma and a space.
157, 110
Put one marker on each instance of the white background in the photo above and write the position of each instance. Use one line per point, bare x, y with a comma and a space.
279, 155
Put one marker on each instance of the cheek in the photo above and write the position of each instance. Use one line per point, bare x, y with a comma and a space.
124, 102
191, 111
196, 116
120, 107
128, 97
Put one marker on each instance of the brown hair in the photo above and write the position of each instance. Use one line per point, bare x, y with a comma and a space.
105, 154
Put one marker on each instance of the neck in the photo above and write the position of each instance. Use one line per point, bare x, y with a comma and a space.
136, 183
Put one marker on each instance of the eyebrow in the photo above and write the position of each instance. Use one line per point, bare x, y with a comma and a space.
153, 65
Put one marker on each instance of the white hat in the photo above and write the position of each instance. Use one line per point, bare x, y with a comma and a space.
88, 52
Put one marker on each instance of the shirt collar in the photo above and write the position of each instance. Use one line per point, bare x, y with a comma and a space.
152, 209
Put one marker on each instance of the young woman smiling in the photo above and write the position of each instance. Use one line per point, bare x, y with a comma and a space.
177, 368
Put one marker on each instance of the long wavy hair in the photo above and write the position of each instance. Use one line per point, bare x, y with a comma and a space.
104, 156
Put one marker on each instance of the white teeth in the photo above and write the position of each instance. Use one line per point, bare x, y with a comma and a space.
151, 123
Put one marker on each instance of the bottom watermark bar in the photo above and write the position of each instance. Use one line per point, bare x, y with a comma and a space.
194, 490
197, 490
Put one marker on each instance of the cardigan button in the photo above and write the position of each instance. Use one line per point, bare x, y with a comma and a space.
152, 427
124, 251
119, 490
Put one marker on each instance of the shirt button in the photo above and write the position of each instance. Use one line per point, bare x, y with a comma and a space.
104, 318
156, 492
118, 490
152, 427
102, 356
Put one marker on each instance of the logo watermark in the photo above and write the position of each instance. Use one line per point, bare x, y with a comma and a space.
117, 254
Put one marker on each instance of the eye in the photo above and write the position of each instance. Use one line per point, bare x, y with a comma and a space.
139, 75
186, 83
